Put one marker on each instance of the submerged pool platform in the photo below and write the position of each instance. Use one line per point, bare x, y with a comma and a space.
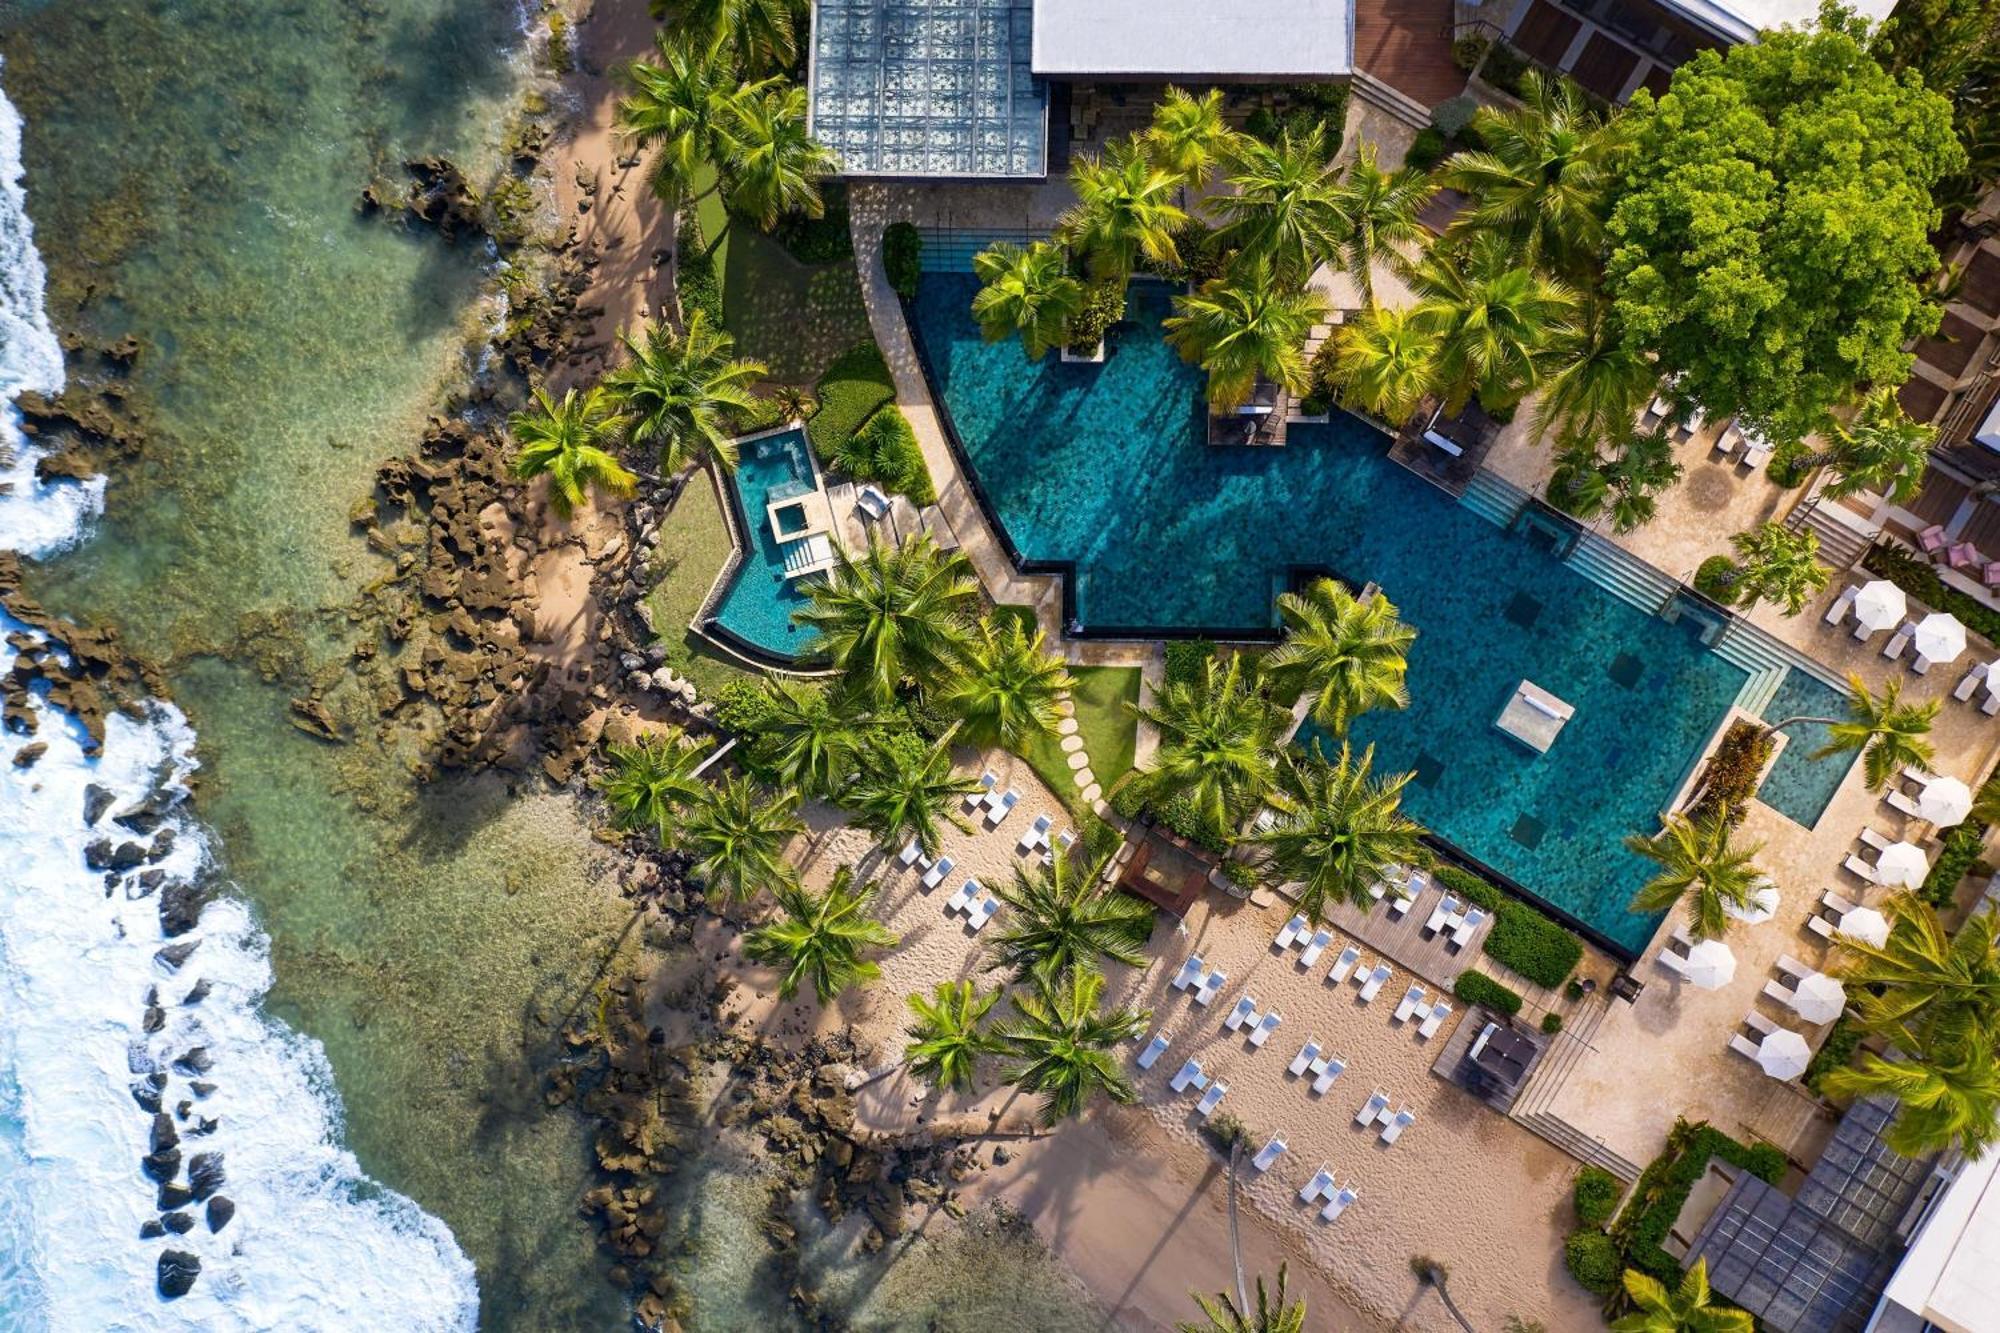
1103, 472
776, 487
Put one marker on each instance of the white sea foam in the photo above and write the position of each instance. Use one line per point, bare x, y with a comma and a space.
314, 1244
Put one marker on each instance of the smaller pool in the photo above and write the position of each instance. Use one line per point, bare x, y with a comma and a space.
1798, 786
757, 608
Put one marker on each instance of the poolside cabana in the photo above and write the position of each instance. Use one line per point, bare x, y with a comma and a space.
1163, 874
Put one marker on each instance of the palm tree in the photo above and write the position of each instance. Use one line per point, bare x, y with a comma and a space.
1286, 206
1007, 691
1645, 466
1244, 325
682, 105
1950, 1099
762, 34
1437, 1277
1216, 745
1598, 381
1882, 451
1188, 136
774, 165
1383, 211
894, 614
1683, 1310
1926, 988
1274, 1312
1890, 734
1389, 361
1064, 919
652, 781
1350, 655
906, 789
566, 441
1339, 831
1124, 209
821, 937
1697, 861
1500, 321
806, 740
1062, 1043
676, 387
946, 1036
1542, 181
737, 837
1029, 292
1774, 564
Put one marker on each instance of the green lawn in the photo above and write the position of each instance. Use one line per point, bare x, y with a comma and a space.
694, 542
1110, 731
796, 318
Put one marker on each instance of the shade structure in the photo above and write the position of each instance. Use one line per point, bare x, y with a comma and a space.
1903, 864
1864, 924
1880, 604
1945, 801
1993, 677
1819, 998
1710, 965
1939, 638
1783, 1054
1763, 905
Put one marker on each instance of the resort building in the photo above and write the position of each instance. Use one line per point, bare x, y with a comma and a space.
1945, 1280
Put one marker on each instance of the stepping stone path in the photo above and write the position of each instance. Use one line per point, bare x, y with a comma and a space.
1072, 744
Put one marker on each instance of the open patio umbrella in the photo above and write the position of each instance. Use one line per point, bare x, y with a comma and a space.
1710, 965
1945, 801
1902, 864
1783, 1054
1819, 998
1939, 638
1762, 907
1879, 605
1864, 924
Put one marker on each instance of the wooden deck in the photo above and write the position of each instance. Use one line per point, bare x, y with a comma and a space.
1407, 45
1401, 940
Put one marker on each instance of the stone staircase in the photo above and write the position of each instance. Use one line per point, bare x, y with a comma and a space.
1840, 545
1622, 574
1398, 104
1758, 655
1565, 1050
1494, 498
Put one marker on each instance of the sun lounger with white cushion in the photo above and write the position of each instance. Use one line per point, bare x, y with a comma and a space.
1674, 962
1372, 1109
1324, 1076
1189, 974
1315, 947
987, 781
1742, 1045
1792, 967
1779, 991
1343, 965
1211, 1098
1838, 901
998, 810
1879, 841
1266, 1028
1036, 836
1400, 905
1861, 869
962, 897
1992, 704
1321, 1183
1468, 923
1210, 986
1244, 1012
1269, 1153
1293, 929
1376, 980
1901, 640
1434, 1019
1757, 1023
935, 875
1307, 1054
1394, 1129
911, 851
1969, 685
1064, 841
1820, 926
1338, 1203
1154, 1049
1901, 801
1407, 1006
1842, 604
1447, 907
1189, 1073
982, 912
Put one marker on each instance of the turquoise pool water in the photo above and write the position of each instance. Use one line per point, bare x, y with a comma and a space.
1106, 466
1799, 786
758, 606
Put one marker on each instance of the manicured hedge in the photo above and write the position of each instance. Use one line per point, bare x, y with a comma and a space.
1595, 1195
1478, 988
885, 449
853, 389
1835, 1052
1187, 659
696, 282
1663, 1187
1592, 1259
1522, 939
903, 257
1957, 854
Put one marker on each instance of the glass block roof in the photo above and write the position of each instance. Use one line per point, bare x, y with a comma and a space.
928, 88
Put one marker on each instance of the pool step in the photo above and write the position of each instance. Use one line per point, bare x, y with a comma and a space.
1768, 659
1494, 498
950, 249
1621, 573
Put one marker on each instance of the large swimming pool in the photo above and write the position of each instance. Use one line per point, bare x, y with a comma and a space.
757, 608
1106, 467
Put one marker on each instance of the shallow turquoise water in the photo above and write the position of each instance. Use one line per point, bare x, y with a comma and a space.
1799, 786
758, 606
1107, 467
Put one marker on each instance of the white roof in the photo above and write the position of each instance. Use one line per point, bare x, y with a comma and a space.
1741, 20
1186, 38
1947, 1275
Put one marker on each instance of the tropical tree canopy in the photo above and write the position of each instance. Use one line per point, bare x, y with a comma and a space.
1682, 1310
1775, 564
651, 781
1388, 361
895, 614
1064, 919
1950, 1098
682, 106
1006, 692
1062, 1044
1882, 451
761, 34
1499, 320
774, 166
1244, 325
737, 837
1273, 1312
1026, 292
1124, 210
1216, 746
906, 789
1927, 989
1383, 211
947, 1034
806, 740
1350, 655
676, 387
1890, 734
1285, 211
566, 441
1339, 830
1597, 381
1772, 222
821, 937
1698, 862
1188, 136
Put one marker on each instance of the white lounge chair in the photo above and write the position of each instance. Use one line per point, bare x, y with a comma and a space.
1211, 1099
935, 875
1861, 869
1154, 1049
1838, 901
1190, 1073
1675, 963
1244, 1012
962, 897
1372, 1109
1269, 1153
982, 912
1447, 907
1324, 1076
1293, 929
1901, 801
911, 851
1338, 1203
1315, 947
1266, 1028
870, 501
1376, 980
1783, 994
1842, 604
1434, 1019
1742, 1045
1036, 836
1969, 685
1343, 965
1879, 841
1307, 1054
1793, 968
1210, 986
1992, 704
1820, 926
1064, 841
1394, 1129
1189, 974
1000, 809
1407, 1006
1471, 921
1400, 905
1321, 1183
1901, 640
987, 781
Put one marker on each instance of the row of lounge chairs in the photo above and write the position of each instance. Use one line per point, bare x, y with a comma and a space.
1338, 1197
1962, 556
978, 905
1980, 674
1205, 983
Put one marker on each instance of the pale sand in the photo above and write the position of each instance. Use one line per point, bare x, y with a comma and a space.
1138, 1208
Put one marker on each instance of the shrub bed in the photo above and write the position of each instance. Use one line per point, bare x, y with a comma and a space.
1595, 1195
854, 388
1592, 1259
696, 282
1478, 988
1730, 778
1833, 1053
1663, 1187
1957, 855
1522, 939
1919, 580
903, 257
1187, 659
1715, 578
821, 240
885, 449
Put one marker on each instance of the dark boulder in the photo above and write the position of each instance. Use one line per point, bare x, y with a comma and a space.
163, 842
96, 800
180, 909
150, 1229
147, 1096
196, 1061
200, 1088
29, 754
178, 1270
205, 1174
164, 1135
154, 1019
220, 1209
198, 993
178, 1223
171, 957
174, 1195
161, 1166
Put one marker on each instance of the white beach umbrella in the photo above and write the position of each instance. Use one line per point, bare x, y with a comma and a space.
1762, 907
1710, 965
1819, 998
1864, 924
1783, 1054
1945, 801
1902, 863
1880, 604
1939, 638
